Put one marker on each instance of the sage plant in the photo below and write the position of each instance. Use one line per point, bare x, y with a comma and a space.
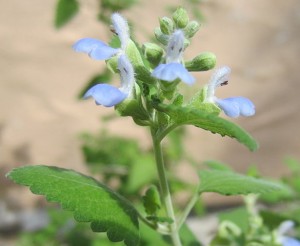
148, 93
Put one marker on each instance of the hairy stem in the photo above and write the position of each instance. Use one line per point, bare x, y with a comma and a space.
165, 191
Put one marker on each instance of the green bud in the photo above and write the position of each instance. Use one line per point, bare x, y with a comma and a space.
131, 107
186, 43
180, 18
166, 25
153, 52
203, 62
162, 38
191, 29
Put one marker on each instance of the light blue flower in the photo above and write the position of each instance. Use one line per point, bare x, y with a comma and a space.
174, 69
99, 50
96, 49
232, 106
108, 95
284, 228
289, 241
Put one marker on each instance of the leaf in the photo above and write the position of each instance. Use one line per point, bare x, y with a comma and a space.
230, 183
216, 165
238, 216
89, 200
65, 11
207, 121
151, 201
136, 176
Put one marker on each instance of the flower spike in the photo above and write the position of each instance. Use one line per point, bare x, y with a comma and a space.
108, 95
173, 68
232, 106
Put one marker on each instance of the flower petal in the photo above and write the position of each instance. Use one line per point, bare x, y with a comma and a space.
96, 49
230, 107
247, 107
105, 94
175, 47
220, 76
236, 106
171, 71
289, 241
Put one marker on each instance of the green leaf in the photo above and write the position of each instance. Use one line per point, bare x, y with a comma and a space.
136, 178
230, 183
151, 200
65, 11
207, 120
238, 216
216, 165
89, 200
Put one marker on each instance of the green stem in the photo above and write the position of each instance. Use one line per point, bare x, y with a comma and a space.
188, 209
165, 191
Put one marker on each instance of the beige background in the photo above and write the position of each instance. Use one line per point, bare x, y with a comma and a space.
40, 118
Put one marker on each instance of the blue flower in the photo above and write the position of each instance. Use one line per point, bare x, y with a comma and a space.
173, 69
232, 106
289, 241
285, 227
108, 95
97, 49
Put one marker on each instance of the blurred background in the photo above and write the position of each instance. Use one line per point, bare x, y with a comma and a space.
42, 120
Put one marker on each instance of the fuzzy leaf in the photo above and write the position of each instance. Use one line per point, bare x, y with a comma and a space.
206, 119
90, 200
65, 11
230, 183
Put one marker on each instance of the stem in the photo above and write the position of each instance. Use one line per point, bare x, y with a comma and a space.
188, 209
165, 191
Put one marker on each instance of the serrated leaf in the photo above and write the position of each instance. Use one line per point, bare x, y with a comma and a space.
207, 121
65, 11
89, 200
230, 183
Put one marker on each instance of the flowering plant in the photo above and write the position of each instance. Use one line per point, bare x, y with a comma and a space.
149, 94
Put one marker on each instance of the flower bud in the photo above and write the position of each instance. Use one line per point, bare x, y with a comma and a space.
191, 29
152, 52
180, 18
202, 62
131, 107
166, 25
162, 38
